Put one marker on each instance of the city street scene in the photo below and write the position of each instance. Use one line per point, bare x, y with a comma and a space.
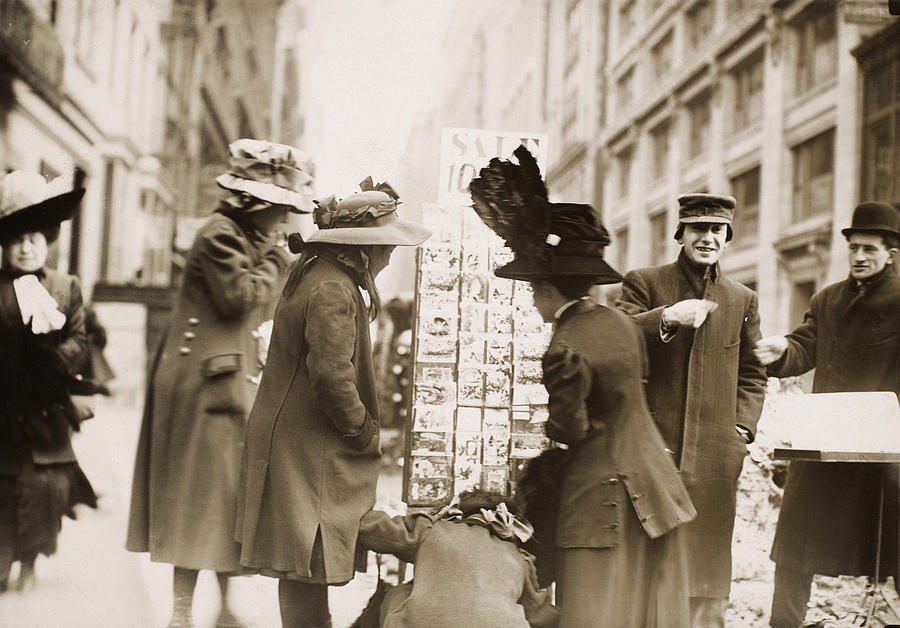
503, 313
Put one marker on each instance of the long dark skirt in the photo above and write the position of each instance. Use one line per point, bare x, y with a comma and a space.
642, 583
32, 505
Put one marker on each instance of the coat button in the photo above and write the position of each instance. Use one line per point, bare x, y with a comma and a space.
623, 476
635, 497
189, 335
184, 350
193, 321
612, 481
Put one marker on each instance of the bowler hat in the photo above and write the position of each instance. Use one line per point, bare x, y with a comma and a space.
28, 202
275, 173
573, 248
367, 217
874, 216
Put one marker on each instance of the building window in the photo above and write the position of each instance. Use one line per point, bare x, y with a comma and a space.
659, 141
570, 116
620, 242
85, 24
626, 19
748, 93
625, 90
816, 48
745, 188
699, 23
813, 189
659, 236
623, 172
880, 166
698, 118
223, 54
661, 56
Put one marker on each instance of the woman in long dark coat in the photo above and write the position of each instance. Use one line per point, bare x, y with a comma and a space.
621, 560
41, 341
201, 387
312, 451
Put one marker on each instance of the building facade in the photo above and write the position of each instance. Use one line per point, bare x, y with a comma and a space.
785, 105
789, 105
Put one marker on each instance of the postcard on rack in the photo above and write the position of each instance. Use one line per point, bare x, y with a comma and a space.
470, 390
428, 491
436, 348
473, 317
440, 256
474, 288
495, 479
500, 294
496, 444
528, 445
435, 393
437, 443
468, 419
471, 350
496, 387
430, 467
433, 418
475, 258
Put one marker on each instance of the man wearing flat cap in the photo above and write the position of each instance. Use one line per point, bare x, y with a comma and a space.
828, 521
705, 388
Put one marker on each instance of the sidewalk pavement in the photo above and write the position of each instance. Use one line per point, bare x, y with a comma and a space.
93, 582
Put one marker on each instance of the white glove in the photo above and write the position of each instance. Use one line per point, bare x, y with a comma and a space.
263, 335
37, 305
688, 313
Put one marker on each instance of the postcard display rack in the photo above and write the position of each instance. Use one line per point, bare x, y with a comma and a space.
478, 404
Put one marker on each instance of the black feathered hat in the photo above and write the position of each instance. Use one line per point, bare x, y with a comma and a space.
29, 203
547, 239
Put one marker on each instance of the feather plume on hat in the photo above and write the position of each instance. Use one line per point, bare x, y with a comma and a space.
511, 200
548, 239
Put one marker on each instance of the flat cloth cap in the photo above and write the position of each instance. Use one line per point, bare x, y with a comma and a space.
705, 208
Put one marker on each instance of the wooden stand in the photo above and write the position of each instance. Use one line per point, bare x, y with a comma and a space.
873, 591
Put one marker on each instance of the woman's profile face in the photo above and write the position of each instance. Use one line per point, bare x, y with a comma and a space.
26, 253
380, 256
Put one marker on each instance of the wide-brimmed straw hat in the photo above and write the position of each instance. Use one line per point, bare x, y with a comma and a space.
275, 173
573, 248
28, 202
367, 217
874, 216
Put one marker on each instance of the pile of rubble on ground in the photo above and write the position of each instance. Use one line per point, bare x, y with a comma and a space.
836, 602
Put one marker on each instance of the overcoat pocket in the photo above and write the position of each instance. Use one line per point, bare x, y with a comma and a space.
223, 392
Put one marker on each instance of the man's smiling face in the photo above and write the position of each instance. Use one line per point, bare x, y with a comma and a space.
704, 242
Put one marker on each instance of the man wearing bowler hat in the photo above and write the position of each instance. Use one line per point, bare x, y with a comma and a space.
829, 517
705, 388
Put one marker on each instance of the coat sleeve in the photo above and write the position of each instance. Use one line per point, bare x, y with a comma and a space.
537, 602
751, 390
637, 303
400, 535
800, 355
237, 284
330, 334
567, 378
73, 343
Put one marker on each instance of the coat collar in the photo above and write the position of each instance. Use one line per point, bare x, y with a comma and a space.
696, 274
579, 306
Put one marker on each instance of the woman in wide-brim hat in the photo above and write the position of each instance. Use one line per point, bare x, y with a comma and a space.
42, 338
312, 451
202, 382
618, 499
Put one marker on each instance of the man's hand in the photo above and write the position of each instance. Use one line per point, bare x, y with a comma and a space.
770, 349
689, 313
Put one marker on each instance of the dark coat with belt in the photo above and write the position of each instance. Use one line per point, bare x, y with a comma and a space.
593, 372
187, 469
20, 352
702, 383
312, 452
828, 520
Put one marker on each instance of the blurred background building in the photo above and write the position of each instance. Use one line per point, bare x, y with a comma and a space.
792, 106
144, 97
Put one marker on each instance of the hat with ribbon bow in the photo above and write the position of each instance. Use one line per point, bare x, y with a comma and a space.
275, 173
367, 217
